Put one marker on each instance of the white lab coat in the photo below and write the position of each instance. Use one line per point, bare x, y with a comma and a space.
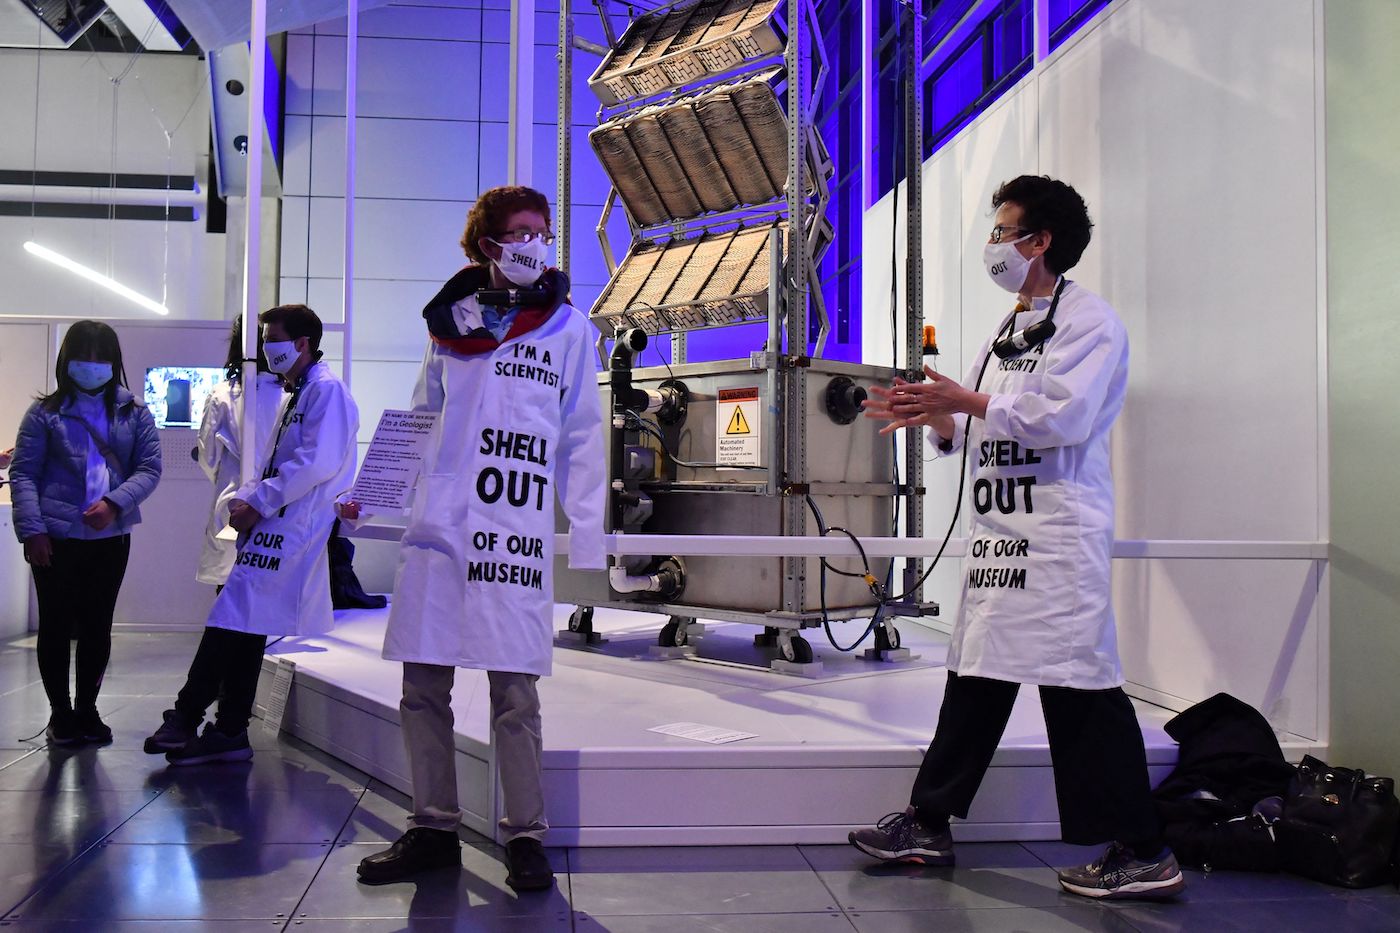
220, 436
467, 593
1036, 604
280, 582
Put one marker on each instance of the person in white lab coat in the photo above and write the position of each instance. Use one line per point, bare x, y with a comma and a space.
280, 583
520, 424
220, 437
1034, 412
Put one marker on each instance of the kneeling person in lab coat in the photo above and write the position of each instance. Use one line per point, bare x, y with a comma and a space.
1035, 413
520, 425
279, 583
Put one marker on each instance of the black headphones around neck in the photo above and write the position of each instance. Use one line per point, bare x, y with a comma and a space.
1021, 341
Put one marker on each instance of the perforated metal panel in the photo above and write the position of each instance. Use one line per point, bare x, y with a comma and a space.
663, 51
705, 281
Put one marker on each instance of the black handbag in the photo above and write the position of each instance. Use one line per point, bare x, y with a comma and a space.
1339, 825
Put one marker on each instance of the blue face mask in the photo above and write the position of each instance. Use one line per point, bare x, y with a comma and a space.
90, 376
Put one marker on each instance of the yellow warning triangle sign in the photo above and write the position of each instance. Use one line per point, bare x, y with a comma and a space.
738, 424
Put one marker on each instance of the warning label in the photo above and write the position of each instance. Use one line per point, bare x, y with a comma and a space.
737, 428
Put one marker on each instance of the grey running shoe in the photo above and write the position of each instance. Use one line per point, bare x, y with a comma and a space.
1117, 874
900, 837
175, 732
212, 745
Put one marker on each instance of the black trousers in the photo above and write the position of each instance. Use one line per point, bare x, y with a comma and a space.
1096, 750
77, 595
225, 668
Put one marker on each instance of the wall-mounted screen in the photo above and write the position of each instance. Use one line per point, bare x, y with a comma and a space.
176, 395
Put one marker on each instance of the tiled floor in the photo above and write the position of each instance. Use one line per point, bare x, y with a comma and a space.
109, 839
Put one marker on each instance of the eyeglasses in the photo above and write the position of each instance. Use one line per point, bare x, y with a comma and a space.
528, 236
1000, 230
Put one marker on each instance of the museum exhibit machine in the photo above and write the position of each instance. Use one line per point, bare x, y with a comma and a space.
706, 131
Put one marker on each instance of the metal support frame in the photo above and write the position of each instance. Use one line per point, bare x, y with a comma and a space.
352, 69
564, 142
794, 306
520, 154
913, 279
252, 249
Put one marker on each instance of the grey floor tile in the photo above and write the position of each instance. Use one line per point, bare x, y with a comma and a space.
379, 817
83, 768
177, 882
25, 868
1306, 915
1071, 919
224, 815
694, 880
146, 926
672, 859
969, 855
558, 923
477, 891
716, 923
913, 887
9, 756
71, 818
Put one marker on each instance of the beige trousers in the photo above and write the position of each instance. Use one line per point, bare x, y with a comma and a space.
426, 716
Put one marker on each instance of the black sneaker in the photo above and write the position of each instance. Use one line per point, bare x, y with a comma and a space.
62, 728
176, 732
418, 850
212, 745
900, 837
91, 727
527, 867
1118, 874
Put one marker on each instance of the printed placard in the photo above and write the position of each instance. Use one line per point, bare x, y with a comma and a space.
738, 428
712, 735
393, 460
276, 709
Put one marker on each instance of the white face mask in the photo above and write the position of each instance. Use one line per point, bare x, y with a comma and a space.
522, 263
1005, 264
281, 354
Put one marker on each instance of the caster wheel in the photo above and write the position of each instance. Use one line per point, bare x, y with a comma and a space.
798, 650
673, 634
893, 635
581, 619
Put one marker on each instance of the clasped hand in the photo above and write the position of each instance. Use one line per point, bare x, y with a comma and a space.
906, 404
242, 516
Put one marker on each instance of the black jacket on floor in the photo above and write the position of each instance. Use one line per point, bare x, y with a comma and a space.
1229, 760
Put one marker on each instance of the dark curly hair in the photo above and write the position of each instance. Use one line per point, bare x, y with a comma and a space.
1054, 207
491, 210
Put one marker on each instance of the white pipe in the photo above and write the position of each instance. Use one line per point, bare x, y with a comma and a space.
352, 57
833, 546
519, 155
81, 194
252, 241
623, 582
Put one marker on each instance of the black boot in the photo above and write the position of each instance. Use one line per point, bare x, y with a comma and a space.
418, 850
526, 865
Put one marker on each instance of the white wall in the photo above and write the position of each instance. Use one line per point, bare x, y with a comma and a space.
1363, 292
61, 112
1190, 128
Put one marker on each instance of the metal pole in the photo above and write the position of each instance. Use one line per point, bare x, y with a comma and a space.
563, 200
869, 82
795, 270
519, 153
252, 240
352, 58
914, 273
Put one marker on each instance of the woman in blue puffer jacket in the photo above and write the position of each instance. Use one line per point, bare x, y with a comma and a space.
85, 459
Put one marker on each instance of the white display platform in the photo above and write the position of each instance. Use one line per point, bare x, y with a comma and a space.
830, 753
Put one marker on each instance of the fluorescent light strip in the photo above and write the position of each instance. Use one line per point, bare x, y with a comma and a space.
79, 269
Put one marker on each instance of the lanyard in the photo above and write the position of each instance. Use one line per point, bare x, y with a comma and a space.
286, 419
